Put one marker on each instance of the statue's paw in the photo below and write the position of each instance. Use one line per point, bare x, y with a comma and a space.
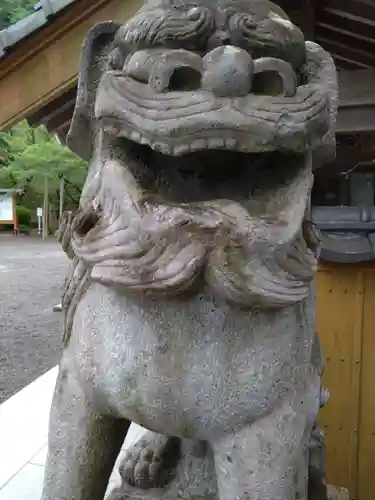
151, 462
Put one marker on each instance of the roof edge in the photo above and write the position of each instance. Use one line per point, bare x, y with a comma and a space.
20, 30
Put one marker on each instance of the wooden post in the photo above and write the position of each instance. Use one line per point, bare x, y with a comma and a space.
45, 208
16, 227
62, 181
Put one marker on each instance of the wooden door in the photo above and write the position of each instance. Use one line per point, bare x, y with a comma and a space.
339, 323
366, 449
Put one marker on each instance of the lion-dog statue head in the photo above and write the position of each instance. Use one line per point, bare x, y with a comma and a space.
203, 122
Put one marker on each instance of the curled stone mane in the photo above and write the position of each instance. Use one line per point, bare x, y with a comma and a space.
192, 28
177, 24
142, 244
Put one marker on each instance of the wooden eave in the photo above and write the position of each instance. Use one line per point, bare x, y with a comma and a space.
346, 28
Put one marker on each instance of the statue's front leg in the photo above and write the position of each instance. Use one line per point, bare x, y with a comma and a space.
260, 461
83, 445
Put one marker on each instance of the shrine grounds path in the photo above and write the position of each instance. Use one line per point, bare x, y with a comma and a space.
32, 274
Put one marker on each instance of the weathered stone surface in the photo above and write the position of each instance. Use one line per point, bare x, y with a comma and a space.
189, 308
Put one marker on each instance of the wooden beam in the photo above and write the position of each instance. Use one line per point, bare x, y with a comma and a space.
53, 109
345, 38
356, 120
347, 64
62, 116
338, 33
357, 102
46, 66
345, 21
357, 88
359, 8
348, 52
347, 156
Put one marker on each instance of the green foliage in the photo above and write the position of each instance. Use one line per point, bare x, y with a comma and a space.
12, 11
29, 156
24, 216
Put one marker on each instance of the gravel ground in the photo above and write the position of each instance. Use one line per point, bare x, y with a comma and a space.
32, 275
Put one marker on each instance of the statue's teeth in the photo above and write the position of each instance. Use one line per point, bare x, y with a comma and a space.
230, 143
161, 147
198, 145
135, 136
215, 143
180, 149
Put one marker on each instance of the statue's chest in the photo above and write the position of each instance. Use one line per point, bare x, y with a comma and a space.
179, 361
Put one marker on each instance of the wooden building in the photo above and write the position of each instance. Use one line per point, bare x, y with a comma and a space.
38, 75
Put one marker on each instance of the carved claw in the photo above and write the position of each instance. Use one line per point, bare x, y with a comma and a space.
151, 462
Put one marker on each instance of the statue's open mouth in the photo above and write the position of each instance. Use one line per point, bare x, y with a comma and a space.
208, 174
177, 102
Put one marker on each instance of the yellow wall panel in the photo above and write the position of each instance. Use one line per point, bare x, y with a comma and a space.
339, 323
366, 452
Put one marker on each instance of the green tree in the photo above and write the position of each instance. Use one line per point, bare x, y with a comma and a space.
12, 11
30, 155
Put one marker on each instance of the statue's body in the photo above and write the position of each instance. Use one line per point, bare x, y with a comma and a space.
190, 304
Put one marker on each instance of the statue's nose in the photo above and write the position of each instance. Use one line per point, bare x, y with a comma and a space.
227, 72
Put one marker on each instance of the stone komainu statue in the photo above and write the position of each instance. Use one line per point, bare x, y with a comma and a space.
189, 307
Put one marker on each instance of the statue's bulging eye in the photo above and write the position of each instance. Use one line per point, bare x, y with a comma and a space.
140, 64
176, 70
166, 70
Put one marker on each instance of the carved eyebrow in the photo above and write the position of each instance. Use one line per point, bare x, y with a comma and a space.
192, 28
281, 20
